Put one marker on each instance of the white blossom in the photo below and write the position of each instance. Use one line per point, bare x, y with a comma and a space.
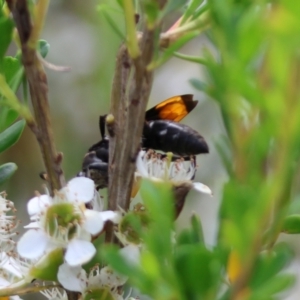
55, 294
63, 221
100, 282
8, 225
151, 165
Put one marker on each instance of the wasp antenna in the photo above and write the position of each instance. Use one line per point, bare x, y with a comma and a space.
102, 125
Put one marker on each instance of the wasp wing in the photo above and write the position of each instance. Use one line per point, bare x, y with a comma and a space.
173, 109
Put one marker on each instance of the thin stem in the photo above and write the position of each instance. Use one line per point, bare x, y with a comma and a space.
131, 37
38, 87
40, 13
131, 88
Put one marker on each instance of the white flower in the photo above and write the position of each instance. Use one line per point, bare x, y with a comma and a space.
13, 275
64, 222
8, 225
151, 165
98, 283
55, 294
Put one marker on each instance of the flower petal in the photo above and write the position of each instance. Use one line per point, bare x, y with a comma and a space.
72, 278
38, 204
109, 277
33, 225
79, 252
131, 253
140, 164
32, 244
4, 282
12, 266
110, 215
200, 187
80, 189
94, 223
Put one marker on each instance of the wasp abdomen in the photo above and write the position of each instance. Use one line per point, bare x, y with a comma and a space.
169, 136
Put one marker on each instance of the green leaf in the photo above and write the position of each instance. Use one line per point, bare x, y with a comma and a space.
6, 29
193, 6
197, 13
159, 200
6, 171
199, 85
190, 58
7, 117
11, 135
199, 270
294, 207
111, 255
168, 53
291, 224
152, 11
171, 6
274, 286
43, 47
11, 68
193, 235
114, 26
13, 72
47, 268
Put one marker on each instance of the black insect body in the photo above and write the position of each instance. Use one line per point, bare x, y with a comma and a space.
161, 132
168, 136
95, 164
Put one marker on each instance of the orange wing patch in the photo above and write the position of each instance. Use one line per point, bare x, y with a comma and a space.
173, 109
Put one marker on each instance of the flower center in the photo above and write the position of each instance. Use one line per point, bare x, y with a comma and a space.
62, 219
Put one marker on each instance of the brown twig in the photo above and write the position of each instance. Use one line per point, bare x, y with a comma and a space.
131, 88
37, 80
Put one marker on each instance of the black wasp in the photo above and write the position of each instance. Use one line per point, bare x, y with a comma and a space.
161, 132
